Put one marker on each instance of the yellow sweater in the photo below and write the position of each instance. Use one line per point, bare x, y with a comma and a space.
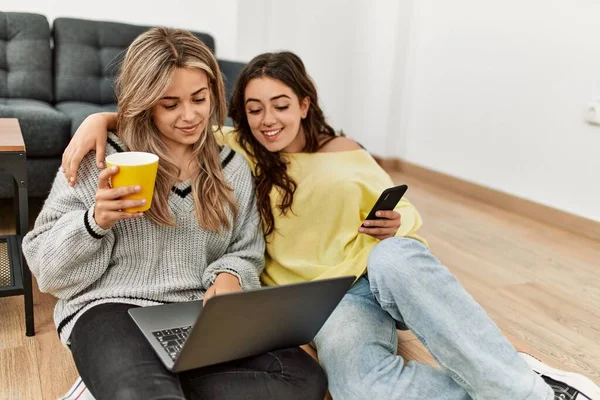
319, 238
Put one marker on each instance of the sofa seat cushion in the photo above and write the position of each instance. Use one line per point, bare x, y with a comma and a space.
46, 131
79, 110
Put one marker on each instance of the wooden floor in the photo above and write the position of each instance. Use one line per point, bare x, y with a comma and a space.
541, 286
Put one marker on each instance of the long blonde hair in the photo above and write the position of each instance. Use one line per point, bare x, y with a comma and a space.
146, 73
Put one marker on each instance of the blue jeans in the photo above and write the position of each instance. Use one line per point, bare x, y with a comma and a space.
117, 363
407, 285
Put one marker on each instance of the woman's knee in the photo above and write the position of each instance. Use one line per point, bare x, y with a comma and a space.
394, 256
303, 377
316, 381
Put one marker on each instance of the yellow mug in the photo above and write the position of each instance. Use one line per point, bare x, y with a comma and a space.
135, 168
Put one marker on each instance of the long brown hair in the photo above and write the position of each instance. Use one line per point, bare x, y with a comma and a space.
271, 169
145, 75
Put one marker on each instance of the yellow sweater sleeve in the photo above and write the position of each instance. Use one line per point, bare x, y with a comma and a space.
410, 221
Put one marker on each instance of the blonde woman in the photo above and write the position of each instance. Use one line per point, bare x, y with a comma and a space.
202, 236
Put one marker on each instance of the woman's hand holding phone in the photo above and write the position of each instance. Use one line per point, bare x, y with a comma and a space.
383, 228
383, 222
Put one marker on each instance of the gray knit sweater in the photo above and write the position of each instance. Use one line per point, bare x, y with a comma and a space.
137, 261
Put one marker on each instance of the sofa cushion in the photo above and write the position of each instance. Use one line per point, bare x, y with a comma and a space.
46, 131
25, 56
88, 55
78, 111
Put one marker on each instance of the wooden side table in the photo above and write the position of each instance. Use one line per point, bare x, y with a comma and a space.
15, 276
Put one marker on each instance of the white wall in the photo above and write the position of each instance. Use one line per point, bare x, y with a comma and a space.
320, 32
349, 48
497, 95
219, 18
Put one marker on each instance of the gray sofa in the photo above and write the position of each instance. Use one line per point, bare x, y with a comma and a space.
52, 78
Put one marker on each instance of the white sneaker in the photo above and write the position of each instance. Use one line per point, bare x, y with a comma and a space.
78, 392
566, 385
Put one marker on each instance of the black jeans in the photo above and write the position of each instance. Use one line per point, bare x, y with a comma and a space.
116, 362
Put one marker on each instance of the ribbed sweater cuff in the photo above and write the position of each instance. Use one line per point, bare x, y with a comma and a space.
248, 279
95, 230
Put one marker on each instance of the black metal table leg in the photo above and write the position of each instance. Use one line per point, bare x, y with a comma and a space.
21, 208
23, 227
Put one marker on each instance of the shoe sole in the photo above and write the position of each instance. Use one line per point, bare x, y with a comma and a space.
584, 385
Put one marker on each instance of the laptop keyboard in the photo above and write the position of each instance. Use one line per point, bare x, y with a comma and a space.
172, 340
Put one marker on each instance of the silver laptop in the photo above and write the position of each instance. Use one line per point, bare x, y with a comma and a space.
237, 325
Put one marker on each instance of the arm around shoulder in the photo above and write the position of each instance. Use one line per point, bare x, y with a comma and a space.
90, 135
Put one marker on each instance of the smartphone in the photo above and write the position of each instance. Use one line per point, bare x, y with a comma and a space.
388, 200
